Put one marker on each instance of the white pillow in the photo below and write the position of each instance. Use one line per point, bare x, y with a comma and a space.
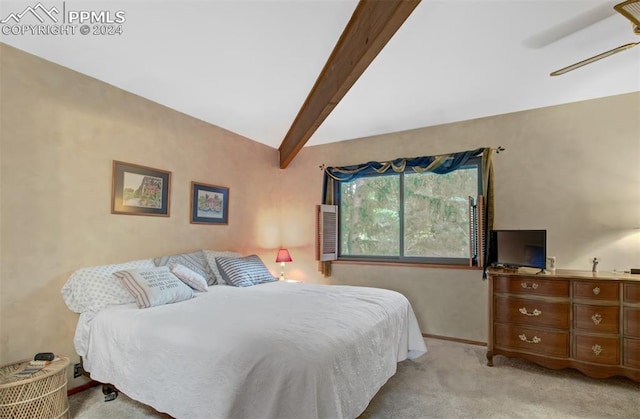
189, 277
211, 255
194, 261
154, 286
95, 288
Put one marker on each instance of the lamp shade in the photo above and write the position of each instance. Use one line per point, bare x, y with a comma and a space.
283, 256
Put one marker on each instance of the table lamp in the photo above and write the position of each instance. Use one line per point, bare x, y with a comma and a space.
283, 256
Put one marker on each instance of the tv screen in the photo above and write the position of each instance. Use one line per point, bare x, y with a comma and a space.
515, 248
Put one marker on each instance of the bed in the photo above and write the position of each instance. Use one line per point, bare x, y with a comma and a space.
273, 350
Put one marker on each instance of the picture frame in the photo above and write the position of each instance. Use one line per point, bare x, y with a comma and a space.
140, 190
209, 204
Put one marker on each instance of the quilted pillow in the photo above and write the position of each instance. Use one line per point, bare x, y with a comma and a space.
154, 287
245, 271
95, 288
192, 279
211, 256
194, 261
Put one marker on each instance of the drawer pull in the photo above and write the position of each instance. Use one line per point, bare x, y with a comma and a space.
597, 318
526, 286
596, 290
597, 349
535, 339
534, 313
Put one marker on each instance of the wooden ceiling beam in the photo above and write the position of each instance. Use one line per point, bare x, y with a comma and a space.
371, 26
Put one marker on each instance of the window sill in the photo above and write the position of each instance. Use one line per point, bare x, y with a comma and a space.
406, 265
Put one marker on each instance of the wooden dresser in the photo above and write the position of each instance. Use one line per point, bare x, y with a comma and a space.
569, 319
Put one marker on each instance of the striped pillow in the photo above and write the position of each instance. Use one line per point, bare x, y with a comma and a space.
194, 261
211, 255
154, 286
245, 271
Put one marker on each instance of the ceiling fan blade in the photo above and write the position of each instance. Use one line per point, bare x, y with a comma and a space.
594, 58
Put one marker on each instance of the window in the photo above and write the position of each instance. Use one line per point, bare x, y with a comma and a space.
409, 216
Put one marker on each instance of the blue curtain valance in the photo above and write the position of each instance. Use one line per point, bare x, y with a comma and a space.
441, 164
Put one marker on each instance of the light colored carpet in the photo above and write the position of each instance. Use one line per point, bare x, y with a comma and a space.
452, 381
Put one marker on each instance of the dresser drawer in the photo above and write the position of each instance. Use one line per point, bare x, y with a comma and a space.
601, 319
632, 322
600, 350
531, 312
544, 342
530, 285
632, 293
596, 290
632, 353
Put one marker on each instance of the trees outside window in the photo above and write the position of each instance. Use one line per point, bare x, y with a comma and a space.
409, 217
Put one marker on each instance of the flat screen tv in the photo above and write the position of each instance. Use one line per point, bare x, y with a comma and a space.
518, 248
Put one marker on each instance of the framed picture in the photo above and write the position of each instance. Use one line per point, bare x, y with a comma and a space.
140, 190
209, 204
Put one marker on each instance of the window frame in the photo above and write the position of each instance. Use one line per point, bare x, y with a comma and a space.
474, 162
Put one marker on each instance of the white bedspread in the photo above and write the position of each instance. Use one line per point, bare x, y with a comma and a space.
277, 350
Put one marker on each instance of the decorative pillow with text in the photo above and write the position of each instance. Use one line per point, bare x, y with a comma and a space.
154, 287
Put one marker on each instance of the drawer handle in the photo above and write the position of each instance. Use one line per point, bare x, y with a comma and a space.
535, 339
534, 313
596, 290
597, 318
526, 286
597, 349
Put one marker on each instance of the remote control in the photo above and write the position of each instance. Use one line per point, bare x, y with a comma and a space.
44, 356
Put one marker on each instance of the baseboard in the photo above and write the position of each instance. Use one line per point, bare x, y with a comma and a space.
467, 341
83, 387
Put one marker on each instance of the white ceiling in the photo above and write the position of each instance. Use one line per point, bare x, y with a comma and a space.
248, 66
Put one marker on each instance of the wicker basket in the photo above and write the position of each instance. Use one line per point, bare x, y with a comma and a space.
40, 395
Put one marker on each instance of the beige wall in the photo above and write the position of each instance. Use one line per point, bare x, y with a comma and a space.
60, 132
571, 169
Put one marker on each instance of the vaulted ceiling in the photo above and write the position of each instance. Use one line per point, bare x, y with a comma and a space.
248, 66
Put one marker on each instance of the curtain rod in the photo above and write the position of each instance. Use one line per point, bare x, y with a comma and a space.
497, 150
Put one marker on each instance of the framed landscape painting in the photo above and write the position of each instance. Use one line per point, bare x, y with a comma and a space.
140, 190
209, 204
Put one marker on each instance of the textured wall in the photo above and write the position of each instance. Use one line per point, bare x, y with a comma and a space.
571, 169
60, 132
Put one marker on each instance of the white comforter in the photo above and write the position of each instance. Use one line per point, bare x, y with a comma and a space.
277, 350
